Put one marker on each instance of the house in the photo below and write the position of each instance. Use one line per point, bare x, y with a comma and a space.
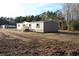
39, 26
22, 26
7, 26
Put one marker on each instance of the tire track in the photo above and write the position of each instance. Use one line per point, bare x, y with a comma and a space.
23, 36
6, 33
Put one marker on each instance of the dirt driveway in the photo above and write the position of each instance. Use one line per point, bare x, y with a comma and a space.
13, 42
61, 36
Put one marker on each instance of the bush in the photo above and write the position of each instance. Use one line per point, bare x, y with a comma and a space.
74, 26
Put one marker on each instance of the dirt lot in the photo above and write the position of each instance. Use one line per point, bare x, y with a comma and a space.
14, 43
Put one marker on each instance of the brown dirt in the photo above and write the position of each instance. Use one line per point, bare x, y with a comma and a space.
16, 43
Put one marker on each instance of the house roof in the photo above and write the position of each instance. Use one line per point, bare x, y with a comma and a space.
42, 21
36, 22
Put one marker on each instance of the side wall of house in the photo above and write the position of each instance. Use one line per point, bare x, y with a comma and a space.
50, 27
37, 26
19, 26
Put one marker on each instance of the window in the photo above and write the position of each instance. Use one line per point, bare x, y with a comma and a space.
23, 25
37, 25
29, 25
18, 25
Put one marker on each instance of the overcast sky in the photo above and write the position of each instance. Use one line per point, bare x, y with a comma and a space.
13, 8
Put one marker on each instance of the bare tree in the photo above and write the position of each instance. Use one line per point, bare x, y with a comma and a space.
67, 14
71, 12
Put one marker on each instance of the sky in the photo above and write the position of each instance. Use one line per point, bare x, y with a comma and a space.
14, 8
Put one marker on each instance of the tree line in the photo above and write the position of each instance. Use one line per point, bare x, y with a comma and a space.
6, 20
45, 16
67, 18
42, 17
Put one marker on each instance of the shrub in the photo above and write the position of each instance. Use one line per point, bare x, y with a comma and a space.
74, 26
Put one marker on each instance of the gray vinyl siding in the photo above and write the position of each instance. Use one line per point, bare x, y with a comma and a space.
50, 26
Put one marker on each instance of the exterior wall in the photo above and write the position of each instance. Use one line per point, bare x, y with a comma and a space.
19, 26
50, 26
3, 26
26, 24
35, 28
8, 26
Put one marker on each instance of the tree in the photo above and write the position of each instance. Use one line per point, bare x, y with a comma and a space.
3, 21
71, 12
